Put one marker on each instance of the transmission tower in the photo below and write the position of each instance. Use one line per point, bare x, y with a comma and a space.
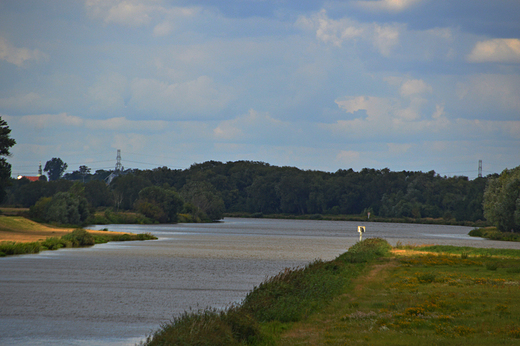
480, 168
118, 163
117, 171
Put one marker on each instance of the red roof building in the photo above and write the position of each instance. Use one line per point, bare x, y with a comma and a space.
30, 178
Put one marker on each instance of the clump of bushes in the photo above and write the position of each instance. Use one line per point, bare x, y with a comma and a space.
494, 234
367, 250
79, 237
208, 327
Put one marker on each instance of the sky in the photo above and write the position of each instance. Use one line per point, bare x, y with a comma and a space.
414, 85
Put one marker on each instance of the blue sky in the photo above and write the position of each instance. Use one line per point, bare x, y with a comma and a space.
325, 85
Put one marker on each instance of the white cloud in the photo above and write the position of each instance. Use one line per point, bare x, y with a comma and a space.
125, 12
376, 108
136, 13
496, 50
18, 56
398, 148
251, 125
415, 86
387, 5
385, 38
162, 29
42, 121
336, 32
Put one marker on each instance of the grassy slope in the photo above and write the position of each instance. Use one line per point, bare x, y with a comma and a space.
437, 299
20, 229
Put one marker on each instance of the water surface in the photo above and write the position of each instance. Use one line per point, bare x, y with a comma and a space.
117, 293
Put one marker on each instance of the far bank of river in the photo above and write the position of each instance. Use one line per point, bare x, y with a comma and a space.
116, 293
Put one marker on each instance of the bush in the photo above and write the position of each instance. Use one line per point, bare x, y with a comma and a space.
54, 243
79, 237
203, 328
367, 250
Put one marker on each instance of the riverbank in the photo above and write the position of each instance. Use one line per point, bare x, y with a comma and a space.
22, 230
362, 218
370, 296
19, 236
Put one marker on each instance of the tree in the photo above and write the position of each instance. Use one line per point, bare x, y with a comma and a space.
502, 200
84, 171
55, 168
159, 203
6, 143
204, 197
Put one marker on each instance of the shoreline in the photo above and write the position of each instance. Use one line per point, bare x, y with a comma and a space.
30, 231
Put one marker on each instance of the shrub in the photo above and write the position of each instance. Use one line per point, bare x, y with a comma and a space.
367, 250
54, 243
79, 237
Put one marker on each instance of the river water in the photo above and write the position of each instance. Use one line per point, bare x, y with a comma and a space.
117, 293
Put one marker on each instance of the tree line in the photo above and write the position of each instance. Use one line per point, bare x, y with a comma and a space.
212, 188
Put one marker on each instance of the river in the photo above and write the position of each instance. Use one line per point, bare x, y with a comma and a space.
117, 293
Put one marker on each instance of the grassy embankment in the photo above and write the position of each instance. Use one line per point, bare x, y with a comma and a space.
19, 235
424, 220
368, 296
493, 233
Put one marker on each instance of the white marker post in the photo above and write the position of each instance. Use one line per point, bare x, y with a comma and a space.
361, 230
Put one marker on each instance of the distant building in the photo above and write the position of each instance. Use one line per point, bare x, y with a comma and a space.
27, 177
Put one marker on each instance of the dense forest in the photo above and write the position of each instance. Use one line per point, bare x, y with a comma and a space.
213, 188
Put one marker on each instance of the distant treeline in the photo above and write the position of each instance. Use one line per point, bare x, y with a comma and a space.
257, 187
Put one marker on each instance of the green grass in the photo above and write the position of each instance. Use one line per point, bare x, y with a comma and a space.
77, 238
431, 299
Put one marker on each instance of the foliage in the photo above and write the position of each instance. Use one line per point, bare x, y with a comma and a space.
367, 250
159, 203
211, 188
6, 142
111, 217
502, 200
55, 168
69, 208
79, 237
204, 198
207, 328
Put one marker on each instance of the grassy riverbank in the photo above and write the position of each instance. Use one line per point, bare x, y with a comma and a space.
362, 218
371, 296
19, 235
